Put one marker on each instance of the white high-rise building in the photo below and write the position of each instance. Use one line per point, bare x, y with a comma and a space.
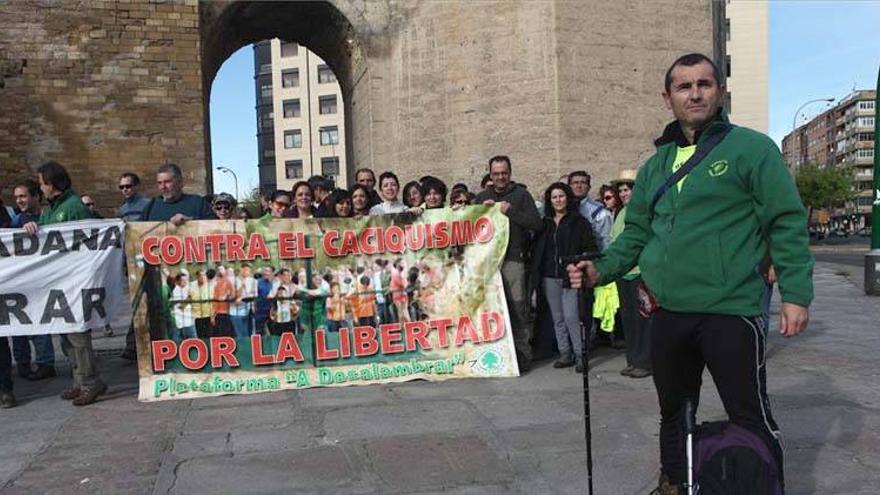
300, 119
747, 45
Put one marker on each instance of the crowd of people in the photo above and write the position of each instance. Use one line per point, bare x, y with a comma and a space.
240, 301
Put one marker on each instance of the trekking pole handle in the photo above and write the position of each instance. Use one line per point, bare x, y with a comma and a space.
577, 258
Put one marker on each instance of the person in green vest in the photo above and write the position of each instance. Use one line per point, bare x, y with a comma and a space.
66, 206
636, 328
700, 243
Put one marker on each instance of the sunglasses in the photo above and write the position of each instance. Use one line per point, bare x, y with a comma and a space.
608, 198
282, 204
89, 204
125, 186
221, 207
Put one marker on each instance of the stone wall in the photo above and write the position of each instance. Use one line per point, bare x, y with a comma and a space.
429, 86
102, 87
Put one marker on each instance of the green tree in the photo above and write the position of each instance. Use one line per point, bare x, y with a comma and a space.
251, 202
824, 187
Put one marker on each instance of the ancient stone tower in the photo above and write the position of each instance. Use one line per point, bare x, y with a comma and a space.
107, 86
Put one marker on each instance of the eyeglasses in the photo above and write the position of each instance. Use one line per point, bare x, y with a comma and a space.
221, 207
125, 186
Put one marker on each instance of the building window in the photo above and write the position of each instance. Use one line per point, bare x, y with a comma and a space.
325, 74
727, 72
727, 29
269, 153
327, 104
290, 78
329, 135
293, 139
865, 153
330, 165
289, 48
293, 169
866, 136
267, 120
866, 105
865, 122
291, 108
266, 92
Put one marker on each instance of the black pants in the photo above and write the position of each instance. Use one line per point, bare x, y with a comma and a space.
636, 328
732, 347
5, 366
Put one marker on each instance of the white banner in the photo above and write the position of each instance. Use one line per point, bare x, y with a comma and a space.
67, 278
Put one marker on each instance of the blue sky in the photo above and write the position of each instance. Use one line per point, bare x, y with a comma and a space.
818, 49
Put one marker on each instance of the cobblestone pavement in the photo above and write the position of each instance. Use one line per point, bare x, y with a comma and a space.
522, 435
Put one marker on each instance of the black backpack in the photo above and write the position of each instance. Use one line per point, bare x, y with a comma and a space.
732, 460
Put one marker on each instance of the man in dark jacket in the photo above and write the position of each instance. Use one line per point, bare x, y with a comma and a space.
519, 206
700, 248
27, 198
66, 206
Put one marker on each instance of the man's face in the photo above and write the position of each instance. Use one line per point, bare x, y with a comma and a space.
279, 206
694, 95
49, 191
223, 210
389, 189
245, 272
366, 179
500, 174
267, 273
89, 202
127, 187
580, 185
24, 200
170, 187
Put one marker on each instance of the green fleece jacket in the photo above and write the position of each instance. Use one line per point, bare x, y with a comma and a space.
65, 208
700, 249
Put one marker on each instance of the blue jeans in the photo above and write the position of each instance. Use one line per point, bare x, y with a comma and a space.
766, 296
43, 348
241, 326
335, 325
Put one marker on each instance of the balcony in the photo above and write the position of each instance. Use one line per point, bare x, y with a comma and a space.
864, 161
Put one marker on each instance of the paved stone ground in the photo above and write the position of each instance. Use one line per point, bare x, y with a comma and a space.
521, 435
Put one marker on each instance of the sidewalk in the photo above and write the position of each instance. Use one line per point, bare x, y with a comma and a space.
521, 435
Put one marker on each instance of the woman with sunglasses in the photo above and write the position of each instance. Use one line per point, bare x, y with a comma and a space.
360, 200
565, 233
608, 196
224, 206
636, 328
459, 198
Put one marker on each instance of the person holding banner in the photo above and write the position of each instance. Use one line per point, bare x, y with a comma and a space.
66, 206
182, 309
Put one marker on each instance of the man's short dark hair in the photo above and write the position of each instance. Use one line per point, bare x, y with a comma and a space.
32, 187
579, 173
320, 182
365, 169
135, 180
690, 60
55, 174
388, 175
170, 168
486, 179
501, 158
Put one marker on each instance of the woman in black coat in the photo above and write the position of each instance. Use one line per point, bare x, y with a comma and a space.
565, 233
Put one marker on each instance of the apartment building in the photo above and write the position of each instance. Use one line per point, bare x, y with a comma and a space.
300, 118
745, 64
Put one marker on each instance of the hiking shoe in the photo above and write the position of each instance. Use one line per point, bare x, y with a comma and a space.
24, 370
88, 395
108, 331
626, 371
666, 487
42, 373
563, 363
579, 367
640, 373
71, 393
7, 400
129, 355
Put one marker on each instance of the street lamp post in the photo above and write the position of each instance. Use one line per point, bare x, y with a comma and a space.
234, 178
796, 113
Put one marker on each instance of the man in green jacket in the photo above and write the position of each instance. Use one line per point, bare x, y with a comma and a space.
66, 206
700, 249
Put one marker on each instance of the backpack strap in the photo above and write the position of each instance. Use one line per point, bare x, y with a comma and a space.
703, 149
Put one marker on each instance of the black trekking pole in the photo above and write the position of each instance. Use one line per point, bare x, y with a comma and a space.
583, 312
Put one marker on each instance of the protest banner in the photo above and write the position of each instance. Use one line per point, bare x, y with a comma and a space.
336, 302
66, 278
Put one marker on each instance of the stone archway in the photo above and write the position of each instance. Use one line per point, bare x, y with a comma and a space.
320, 26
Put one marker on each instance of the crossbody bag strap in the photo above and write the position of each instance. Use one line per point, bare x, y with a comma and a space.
702, 150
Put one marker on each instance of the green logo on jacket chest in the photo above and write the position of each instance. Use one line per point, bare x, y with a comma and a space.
718, 168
